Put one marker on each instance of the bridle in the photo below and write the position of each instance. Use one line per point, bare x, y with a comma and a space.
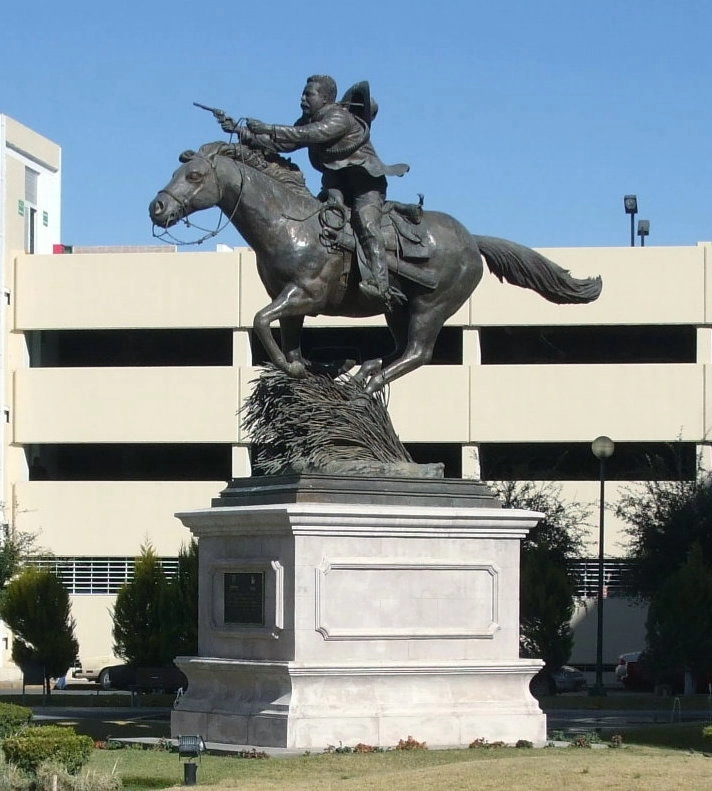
184, 207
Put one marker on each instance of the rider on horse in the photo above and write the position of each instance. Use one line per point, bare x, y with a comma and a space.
337, 135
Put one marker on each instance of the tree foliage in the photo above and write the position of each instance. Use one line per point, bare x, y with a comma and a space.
139, 613
547, 587
665, 518
679, 625
156, 619
182, 604
546, 608
15, 548
36, 607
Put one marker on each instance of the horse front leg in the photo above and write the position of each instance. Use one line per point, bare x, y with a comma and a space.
291, 332
292, 304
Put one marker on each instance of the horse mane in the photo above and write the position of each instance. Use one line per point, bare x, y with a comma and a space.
271, 164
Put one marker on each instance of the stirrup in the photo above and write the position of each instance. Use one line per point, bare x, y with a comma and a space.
388, 296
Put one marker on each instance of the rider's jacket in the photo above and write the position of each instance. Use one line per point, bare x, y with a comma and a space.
336, 139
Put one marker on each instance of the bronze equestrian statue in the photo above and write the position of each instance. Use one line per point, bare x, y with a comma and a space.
307, 252
338, 137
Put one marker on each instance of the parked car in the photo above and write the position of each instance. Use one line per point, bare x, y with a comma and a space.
143, 679
628, 672
551, 682
91, 668
569, 679
636, 674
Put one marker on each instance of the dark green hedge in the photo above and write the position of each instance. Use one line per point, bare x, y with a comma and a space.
48, 743
13, 719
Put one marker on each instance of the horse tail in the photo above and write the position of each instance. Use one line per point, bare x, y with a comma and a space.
521, 266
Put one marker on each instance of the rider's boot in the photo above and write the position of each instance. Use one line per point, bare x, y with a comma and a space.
377, 285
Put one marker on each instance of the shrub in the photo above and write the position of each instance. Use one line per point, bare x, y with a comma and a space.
48, 743
411, 744
12, 779
13, 719
52, 776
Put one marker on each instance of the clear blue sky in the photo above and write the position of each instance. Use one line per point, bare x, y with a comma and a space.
525, 119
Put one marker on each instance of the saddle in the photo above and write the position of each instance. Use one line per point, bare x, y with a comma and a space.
404, 232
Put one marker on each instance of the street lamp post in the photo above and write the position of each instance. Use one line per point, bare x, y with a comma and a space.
630, 203
602, 448
643, 231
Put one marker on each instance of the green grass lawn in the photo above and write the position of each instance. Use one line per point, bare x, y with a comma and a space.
654, 758
632, 768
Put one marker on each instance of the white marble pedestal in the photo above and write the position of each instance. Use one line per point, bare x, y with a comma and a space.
347, 610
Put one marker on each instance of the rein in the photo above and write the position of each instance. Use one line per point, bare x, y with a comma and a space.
167, 236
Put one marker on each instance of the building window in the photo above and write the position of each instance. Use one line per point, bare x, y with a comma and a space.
573, 461
31, 179
329, 344
130, 462
447, 453
588, 345
85, 576
129, 348
614, 577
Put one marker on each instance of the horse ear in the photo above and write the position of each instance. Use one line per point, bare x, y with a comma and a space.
186, 156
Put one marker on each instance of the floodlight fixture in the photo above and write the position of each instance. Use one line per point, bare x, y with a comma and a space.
630, 203
643, 231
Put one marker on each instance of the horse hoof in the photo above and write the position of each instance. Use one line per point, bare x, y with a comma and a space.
369, 369
376, 384
296, 370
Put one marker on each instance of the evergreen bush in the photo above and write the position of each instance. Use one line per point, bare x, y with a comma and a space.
13, 719
48, 743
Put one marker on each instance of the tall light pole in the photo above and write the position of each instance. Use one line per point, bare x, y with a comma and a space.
630, 203
643, 230
602, 448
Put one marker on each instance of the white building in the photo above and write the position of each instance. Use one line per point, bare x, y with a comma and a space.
125, 371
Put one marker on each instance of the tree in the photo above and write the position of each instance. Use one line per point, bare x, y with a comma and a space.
182, 604
679, 625
156, 619
547, 586
665, 519
546, 608
35, 605
15, 547
139, 621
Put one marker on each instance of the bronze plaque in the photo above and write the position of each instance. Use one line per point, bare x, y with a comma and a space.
244, 598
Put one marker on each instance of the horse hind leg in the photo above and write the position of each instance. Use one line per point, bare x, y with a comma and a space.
398, 321
418, 351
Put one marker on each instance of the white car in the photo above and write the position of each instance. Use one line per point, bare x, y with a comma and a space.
93, 669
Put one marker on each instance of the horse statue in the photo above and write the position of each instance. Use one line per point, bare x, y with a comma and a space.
309, 268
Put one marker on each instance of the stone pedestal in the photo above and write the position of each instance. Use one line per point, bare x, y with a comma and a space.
346, 610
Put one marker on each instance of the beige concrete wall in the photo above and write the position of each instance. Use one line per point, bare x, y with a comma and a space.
616, 541
623, 630
125, 405
641, 285
31, 143
109, 517
93, 615
432, 404
14, 191
114, 291
552, 403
